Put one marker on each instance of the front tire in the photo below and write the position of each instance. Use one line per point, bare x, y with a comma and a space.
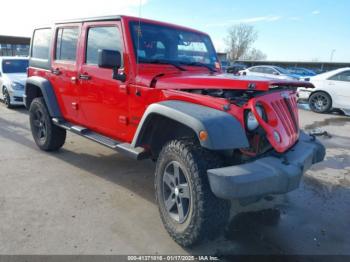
189, 210
320, 102
7, 98
47, 136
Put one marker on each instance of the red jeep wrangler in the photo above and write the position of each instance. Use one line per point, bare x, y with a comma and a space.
155, 90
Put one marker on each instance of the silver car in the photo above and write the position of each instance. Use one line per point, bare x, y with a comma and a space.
13, 74
274, 72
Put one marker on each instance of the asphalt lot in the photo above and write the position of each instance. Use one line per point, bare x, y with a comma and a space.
87, 199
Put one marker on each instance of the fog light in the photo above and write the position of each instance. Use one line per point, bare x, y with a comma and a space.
277, 136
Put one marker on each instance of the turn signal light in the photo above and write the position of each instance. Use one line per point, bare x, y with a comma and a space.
203, 135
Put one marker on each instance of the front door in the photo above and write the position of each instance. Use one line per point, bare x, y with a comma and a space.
340, 83
103, 100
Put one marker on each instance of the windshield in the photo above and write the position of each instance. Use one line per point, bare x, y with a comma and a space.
164, 43
14, 66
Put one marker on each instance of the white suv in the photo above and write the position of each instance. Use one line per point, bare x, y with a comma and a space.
13, 74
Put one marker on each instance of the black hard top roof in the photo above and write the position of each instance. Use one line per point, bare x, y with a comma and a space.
91, 19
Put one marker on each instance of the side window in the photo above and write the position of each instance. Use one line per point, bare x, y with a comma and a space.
102, 38
66, 44
255, 69
344, 76
268, 70
41, 43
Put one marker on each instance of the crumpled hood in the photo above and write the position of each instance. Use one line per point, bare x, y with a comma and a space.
215, 81
17, 77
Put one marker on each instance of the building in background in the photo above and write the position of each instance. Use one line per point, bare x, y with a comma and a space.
14, 45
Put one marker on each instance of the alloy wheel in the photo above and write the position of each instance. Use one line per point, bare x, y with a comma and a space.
6, 98
319, 102
40, 128
176, 192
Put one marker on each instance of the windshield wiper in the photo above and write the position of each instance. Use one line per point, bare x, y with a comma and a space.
212, 70
163, 62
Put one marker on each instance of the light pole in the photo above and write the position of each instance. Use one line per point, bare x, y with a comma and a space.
332, 54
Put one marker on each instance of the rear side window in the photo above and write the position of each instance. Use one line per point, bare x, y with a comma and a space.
102, 38
66, 44
256, 69
344, 76
41, 43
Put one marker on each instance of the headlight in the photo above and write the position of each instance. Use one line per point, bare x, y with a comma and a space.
251, 121
17, 86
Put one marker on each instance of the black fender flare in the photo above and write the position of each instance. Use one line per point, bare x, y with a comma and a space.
225, 132
47, 91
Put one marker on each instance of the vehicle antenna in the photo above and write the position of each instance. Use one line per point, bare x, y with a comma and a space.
138, 38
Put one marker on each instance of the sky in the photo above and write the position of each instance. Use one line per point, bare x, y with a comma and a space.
295, 30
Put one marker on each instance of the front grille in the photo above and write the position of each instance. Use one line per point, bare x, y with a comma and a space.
287, 112
18, 99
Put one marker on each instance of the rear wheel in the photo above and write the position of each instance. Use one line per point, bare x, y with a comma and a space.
7, 99
189, 210
47, 136
320, 102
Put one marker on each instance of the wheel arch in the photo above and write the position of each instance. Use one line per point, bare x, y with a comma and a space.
169, 120
40, 87
322, 91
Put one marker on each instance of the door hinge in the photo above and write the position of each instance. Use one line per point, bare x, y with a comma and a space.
123, 120
75, 106
123, 89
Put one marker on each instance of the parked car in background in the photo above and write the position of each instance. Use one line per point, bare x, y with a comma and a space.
332, 91
224, 66
235, 68
274, 72
13, 74
301, 72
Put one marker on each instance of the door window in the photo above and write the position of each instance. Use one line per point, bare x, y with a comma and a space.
256, 69
268, 70
102, 38
66, 44
344, 76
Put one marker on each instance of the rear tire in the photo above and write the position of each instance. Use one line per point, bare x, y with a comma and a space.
320, 102
181, 183
47, 136
7, 98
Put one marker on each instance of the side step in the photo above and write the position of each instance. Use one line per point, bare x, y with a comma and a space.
137, 153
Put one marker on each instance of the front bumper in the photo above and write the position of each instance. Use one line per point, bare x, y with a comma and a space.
304, 94
16, 97
268, 175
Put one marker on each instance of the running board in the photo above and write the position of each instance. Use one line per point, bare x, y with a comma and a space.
137, 153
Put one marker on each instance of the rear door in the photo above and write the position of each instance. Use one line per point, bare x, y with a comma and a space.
64, 70
270, 72
103, 100
256, 71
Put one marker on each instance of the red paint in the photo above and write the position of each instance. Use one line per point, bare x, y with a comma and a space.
114, 108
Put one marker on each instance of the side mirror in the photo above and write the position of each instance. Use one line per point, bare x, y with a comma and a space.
111, 59
276, 73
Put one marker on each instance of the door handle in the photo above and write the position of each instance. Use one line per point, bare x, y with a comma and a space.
56, 71
84, 77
